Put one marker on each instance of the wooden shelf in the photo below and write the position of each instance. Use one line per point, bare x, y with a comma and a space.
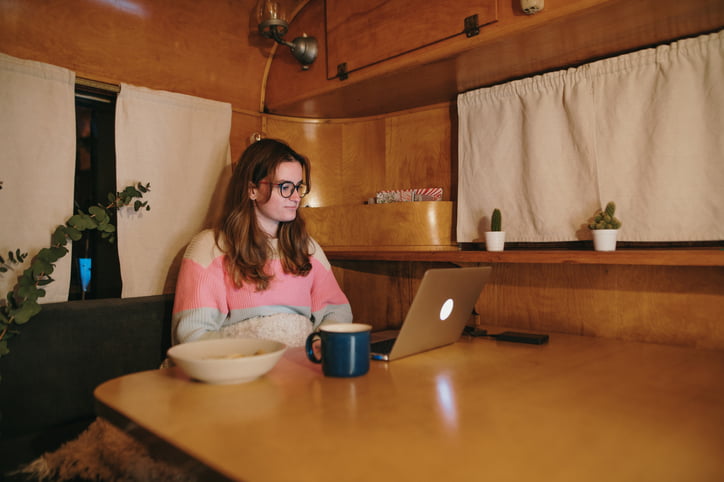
451, 254
566, 33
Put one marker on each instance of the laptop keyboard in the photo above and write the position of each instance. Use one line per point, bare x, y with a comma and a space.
382, 346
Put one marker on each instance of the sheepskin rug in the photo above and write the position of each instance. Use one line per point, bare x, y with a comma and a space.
101, 452
105, 452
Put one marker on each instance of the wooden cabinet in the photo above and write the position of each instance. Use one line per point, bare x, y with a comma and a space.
426, 226
361, 33
383, 80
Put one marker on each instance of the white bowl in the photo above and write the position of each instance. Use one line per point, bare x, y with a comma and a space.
227, 360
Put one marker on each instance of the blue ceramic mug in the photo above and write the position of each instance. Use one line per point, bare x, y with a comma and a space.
345, 349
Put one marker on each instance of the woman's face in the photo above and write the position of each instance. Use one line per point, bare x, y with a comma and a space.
274, 209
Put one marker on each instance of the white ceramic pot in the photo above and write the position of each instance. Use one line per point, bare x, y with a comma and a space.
604, 239
494, 240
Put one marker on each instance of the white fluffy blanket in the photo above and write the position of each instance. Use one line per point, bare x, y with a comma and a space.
287, 328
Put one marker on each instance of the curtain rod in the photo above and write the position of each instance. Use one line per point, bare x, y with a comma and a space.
116, 88
95, 84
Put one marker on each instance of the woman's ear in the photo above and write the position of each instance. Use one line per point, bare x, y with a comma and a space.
253, 191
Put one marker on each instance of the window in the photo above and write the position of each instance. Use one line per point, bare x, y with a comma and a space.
95, 177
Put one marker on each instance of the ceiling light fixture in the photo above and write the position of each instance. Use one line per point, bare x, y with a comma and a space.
273, 24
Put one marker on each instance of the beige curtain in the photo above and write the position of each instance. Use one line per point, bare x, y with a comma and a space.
37, 163
643, 130
180, 145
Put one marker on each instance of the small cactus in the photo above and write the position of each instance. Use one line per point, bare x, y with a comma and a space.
605, 219
496, 221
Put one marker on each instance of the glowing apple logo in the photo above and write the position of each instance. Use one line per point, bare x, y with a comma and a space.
446, 309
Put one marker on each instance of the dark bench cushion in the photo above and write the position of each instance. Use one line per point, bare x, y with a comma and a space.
68, 349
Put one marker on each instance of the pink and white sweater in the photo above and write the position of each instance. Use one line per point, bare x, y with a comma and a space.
207, 301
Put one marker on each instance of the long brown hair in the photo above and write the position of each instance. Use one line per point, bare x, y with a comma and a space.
238, 234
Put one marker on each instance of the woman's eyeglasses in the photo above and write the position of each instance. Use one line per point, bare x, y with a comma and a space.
287, 188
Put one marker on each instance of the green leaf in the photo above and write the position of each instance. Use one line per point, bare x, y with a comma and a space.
41, 267
100, 214
46, 255
73, 233
52, 254
91, 222
131, 191
4, 348
59, 251
59, 237
27, 311
88, 221
97, 211
27, 292
76, 221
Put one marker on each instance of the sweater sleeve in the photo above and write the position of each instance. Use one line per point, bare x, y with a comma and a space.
329, 303
200, 305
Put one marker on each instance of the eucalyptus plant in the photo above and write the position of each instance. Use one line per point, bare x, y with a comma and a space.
21, 304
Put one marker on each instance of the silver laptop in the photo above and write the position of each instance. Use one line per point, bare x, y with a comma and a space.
441, 307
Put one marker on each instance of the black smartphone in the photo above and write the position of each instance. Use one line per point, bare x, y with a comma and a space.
518, 337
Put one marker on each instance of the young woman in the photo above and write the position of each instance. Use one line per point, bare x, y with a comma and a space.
258, 272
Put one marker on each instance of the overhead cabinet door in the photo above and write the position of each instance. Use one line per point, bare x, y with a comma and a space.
364, 32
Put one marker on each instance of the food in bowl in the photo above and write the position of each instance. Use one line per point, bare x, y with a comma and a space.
227, 360
235, 355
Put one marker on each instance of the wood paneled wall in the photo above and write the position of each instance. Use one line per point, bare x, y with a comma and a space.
678, 305
206, 49
352, 159
670, 305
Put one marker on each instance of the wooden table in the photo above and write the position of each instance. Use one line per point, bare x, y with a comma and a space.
577, 409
